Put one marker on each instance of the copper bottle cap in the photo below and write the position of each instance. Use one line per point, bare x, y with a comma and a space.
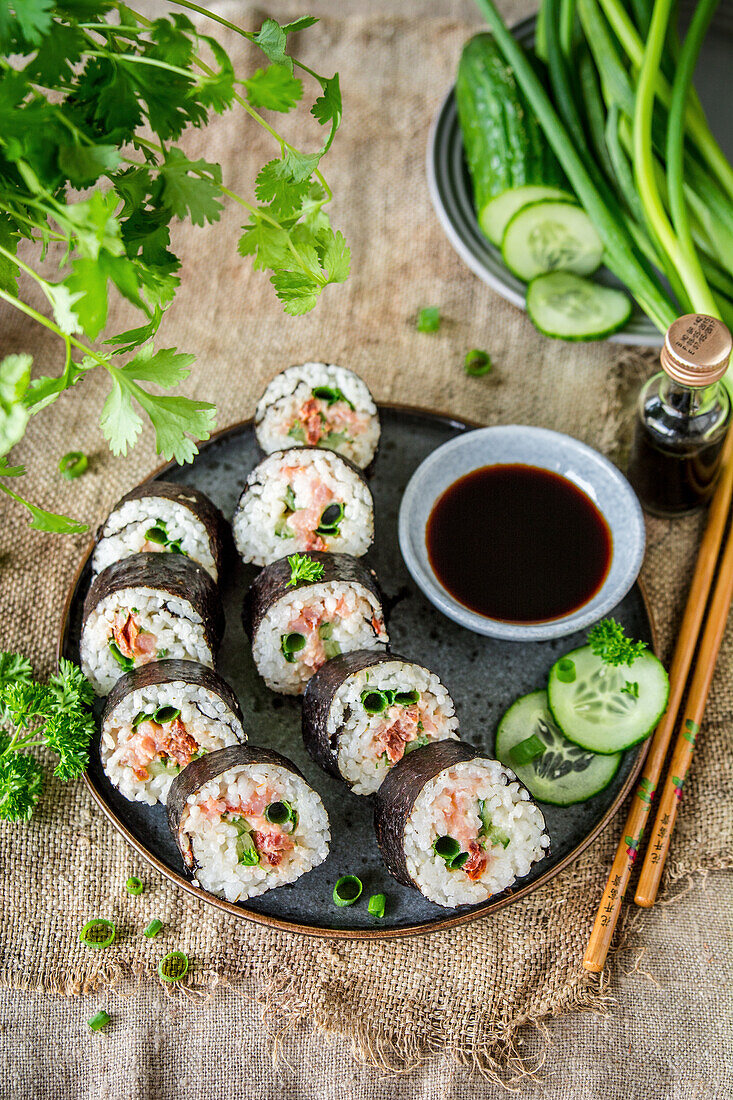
696, 350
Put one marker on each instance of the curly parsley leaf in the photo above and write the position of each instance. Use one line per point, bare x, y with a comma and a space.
59, 714
304, 568
609, 641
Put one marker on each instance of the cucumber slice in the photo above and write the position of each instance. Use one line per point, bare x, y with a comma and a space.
498, 212
572, 308
564, 774
551, 235
595, 711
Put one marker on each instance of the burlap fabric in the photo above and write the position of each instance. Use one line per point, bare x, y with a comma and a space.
467, 991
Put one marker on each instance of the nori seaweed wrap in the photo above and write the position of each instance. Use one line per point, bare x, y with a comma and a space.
245, 820
456, 825
364, 710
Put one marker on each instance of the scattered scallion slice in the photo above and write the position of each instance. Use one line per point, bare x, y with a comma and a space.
126, 663
99, 1020
477, 363
331, 649
347, 890
376, 905
142, 716
325, 631
73, 465
153, 928
428, 319
173, 966
525, 751
97, 933
134, 885
566, 670
290, 644
164, 715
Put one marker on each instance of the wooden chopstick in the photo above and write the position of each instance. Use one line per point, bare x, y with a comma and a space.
651, 871
618, 879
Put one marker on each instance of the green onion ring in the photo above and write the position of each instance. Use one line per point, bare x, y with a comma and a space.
97, 933
347, 890
73, 465
173, 966
134, 885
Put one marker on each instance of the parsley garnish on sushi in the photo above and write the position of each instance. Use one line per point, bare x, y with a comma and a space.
57, 715
303, 568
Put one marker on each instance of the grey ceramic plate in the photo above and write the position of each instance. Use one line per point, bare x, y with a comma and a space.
452, 194
483, 675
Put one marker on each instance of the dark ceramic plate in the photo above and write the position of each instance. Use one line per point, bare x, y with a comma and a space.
482, 674
452, 194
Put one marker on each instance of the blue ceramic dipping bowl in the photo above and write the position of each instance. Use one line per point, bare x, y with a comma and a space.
561, 454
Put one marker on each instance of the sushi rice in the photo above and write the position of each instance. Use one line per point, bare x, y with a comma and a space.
124, 533
212, 824
289, 414
370, 744
351, 616
176, 629
448, 805
280, 511
204, 715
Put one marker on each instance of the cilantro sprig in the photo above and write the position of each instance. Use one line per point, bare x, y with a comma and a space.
56, 715
609, 641
96, 101
303, 568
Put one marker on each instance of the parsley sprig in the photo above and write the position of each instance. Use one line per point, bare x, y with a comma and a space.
609, 641
96, 101
303, 568
56, 715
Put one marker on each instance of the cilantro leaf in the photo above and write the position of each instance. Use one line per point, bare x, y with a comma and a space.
274, 88
328, 108
133, 337
33, 19
298, 166
120, 423
62, 302
217, 90
8, 269
284, 196
335, 256
272, 40
187, 195
166, 367
297, 291
15, 374
41, 520
86, 286
83, 164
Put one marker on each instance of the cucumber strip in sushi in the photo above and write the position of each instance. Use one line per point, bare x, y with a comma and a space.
456, 825
144, 608
605, 707
321, 405
303, 499
303, 610
158, 719
364, 711
552, 768
162, 517
245, 821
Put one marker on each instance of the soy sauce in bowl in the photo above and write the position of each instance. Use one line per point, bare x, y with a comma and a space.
518, 543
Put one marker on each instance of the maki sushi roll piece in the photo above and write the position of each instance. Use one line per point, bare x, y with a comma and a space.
364, 711
162, 517
305, 609
303, 499
245, 821
161, 717
456, 825
145, 608
319, 405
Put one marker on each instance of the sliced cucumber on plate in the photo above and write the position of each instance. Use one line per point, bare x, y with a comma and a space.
551, 235
605, 707
572, 308
552, 768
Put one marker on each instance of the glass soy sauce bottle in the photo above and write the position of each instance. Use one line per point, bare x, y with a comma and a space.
684, 413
